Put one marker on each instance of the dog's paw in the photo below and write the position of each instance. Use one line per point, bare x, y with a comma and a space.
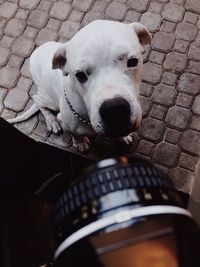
81, 143
53, 125
127, 140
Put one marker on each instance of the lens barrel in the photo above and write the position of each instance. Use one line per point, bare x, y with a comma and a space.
111, 195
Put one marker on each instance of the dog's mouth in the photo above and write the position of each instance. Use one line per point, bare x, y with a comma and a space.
119, 130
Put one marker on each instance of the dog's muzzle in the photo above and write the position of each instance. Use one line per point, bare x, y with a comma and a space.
116, 117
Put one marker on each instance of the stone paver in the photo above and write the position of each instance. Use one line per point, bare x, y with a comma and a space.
176, 62
151, 20
60, 10
170, 92
14, 27
173, 12
116, 11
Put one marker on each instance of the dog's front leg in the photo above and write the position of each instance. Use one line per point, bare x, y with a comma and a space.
127, 140
53, 124
82, 143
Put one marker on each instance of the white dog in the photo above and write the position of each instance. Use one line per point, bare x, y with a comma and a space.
90, 85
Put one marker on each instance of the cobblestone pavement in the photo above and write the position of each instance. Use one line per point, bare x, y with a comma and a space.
170, 92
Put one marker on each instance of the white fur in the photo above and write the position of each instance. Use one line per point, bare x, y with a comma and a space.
103, 47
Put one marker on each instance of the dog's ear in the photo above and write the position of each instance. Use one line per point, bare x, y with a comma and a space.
59, 58
142, 32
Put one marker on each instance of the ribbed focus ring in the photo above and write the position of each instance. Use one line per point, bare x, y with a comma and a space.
109, 180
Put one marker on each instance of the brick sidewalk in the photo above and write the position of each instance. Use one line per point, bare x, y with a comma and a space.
170, 92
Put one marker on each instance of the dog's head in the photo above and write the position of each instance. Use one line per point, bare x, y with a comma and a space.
105, 66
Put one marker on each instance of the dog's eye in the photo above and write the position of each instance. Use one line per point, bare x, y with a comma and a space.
81, 76
132, 62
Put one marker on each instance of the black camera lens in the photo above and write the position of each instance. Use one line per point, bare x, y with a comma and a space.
124, 212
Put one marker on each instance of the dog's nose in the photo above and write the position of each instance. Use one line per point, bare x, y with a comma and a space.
115, 114
115, 109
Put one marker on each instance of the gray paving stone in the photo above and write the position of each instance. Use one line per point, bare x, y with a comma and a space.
24, 83
146, 89
167, 154
76, 16
82, 5
188, 162
8, 114
181, 46
8, 76
6, 41
41, 130
168, 26
187, 178
15, 61
2, 23
189, 83
194, 51
152, 73
145, 104
157, 57
138, 5
158, 112
7, 10
25, 69
190, 17
190, 142
16, 99
38, 18
45, 5
163, 94
69, 28
145, 55
195, 124
100, 6
173, 12
179, 2
60, 10
186, 31
116, 11
155, 7
151, 20
29, 4
169, 78
1, 108
30, 32
196, 105
194, 67
28, 126
184, 100
145, 148
5, 53
192, 5
14, 27
176, 62
90, 16
152, 129
53, 24
163, 41
3, 93
22, 14
46, 35
132, 16
33, 90
172, 136
23, 47
178, 117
